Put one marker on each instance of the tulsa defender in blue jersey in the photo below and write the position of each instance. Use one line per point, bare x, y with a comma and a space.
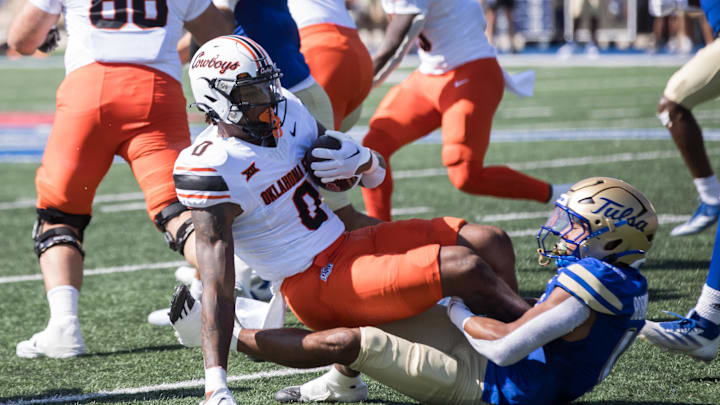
559, 349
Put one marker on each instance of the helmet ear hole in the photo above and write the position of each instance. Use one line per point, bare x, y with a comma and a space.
650, 237
613, 244
598, 222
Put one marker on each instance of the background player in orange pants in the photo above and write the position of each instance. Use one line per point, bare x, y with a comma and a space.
337, 58
117, 99
458, 87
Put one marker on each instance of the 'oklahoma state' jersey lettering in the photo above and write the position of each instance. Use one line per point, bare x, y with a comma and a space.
284, 223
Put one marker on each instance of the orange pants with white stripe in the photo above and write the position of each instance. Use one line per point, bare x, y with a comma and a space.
104, 110
462, 102
373, 275
340, 63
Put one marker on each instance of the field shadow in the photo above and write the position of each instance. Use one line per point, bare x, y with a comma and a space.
635, 403
153, 349
677, 264
76, 396
655, 294
706, 379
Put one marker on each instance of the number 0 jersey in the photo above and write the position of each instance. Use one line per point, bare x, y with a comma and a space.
146, 34
284, 223
561, 370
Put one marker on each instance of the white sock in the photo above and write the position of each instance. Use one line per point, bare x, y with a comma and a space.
63, 301
196, 289
341, 379
708, 305
215, 379
709, 189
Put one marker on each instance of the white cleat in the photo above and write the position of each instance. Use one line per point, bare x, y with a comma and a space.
160, 317
322, 389
223, 396
60, 340
186, 317
694, 336
704, 217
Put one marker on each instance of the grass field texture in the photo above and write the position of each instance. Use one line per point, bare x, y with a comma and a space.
130, 361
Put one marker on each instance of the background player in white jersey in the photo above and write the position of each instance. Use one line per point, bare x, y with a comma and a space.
458, 86
118, 98
250, 195
560, 349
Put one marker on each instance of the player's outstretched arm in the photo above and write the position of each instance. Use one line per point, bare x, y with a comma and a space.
561, 315
214, 247
29, 29
399, 37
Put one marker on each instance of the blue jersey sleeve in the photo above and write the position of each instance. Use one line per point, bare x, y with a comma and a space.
712, 11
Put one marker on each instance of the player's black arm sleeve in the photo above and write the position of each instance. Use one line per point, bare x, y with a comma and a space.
214, 247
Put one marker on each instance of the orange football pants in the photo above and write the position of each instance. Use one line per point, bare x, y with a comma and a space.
373, 275
103, 110
340, 63
462, 102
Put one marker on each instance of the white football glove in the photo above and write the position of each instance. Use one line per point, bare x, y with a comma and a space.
662, 8
342, 163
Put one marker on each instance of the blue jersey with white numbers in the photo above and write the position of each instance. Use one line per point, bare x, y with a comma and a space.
270, 24
712, 11
562, 371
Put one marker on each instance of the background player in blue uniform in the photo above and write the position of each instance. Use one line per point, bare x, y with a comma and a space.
559, 349
696, 82
270, 24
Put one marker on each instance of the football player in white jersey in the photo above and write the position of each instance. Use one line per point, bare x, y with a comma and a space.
117, 98
250, 196
590, 313
457, 87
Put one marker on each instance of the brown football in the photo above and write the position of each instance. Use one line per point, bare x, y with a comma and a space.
327, 142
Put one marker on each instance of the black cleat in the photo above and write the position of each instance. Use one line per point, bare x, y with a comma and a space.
181, 303
289, 394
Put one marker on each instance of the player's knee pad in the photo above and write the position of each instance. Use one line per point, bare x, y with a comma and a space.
63, 235
175, 242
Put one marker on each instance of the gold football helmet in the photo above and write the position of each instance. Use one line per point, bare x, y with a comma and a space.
599, 217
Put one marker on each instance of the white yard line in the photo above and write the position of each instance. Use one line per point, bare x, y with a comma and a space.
564, 162
160, 387
103, 198
102, 270
513, 216
663, 219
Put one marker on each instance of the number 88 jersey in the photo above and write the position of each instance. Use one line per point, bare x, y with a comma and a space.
284, 223
125, 31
